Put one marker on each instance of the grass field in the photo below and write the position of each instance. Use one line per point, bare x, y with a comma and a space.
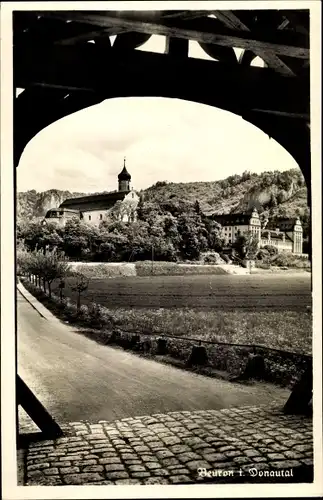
278, 292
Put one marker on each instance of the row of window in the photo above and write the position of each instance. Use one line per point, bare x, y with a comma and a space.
100, 217
55, 214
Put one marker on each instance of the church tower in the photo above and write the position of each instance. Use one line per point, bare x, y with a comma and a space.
124, 178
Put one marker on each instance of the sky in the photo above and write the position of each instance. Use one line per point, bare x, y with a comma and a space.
162, 139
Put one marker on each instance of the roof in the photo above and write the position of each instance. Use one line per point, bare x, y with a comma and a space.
232, 219
94, 202
124, 175
285, 223
59, 209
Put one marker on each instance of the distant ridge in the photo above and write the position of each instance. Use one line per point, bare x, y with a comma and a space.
274, 193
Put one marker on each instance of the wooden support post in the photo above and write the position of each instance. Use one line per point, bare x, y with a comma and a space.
177, 47
161, 346
299, 402
36, 411
198, 356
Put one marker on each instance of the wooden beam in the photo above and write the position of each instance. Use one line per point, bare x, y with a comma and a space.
280, 44
91, 35
37, 412
300, 116
146, 74
297, 21
229, 19
194, 14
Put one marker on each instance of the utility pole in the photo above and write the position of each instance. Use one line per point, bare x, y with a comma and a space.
152, 259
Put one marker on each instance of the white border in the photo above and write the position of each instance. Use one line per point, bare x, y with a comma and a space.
9, 466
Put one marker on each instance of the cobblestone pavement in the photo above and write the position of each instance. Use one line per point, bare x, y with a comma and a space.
175, 448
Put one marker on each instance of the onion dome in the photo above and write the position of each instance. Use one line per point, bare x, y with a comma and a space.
124, 174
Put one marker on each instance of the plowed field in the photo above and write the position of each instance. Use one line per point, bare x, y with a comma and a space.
275, 292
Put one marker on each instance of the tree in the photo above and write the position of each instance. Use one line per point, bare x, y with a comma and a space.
51, 266
193, 236
246, 245
197, 207
80, 286
76, 237
38, 265
54, 266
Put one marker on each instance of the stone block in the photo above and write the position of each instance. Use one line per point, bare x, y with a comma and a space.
251, 453
141, 449
194, 465
303, 447
127, 482
152, 465
276, 456
129, 456
40, 466
82, 478
164, 454
179, 449
160, 472
71, 457
156, 445
69, 470
180, 479
114, 467
82, 463
51, 471
155, 480
241, 460
214, 457
285, 464
169, 461
233, 453
93, 468
294, 455
137, 468
62, 464
149, 458
222, 449
117, 475
109, 460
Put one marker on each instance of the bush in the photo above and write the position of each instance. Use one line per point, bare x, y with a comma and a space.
225, 258
290, 260
98, 316
212, 258
282, 260
146, 268
262, 254
271, 250
262, 265
106, 270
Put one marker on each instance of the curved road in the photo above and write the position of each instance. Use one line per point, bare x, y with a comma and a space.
77, 379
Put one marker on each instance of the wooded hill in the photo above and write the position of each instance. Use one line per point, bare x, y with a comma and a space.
274, 193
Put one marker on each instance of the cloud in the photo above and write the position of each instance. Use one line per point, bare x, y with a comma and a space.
163, 139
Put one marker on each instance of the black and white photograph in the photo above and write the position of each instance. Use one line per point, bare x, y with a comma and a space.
161, 249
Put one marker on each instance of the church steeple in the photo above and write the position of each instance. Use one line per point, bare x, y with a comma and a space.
124, 178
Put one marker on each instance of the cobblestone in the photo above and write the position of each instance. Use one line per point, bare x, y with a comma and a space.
51, 471
170, 448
